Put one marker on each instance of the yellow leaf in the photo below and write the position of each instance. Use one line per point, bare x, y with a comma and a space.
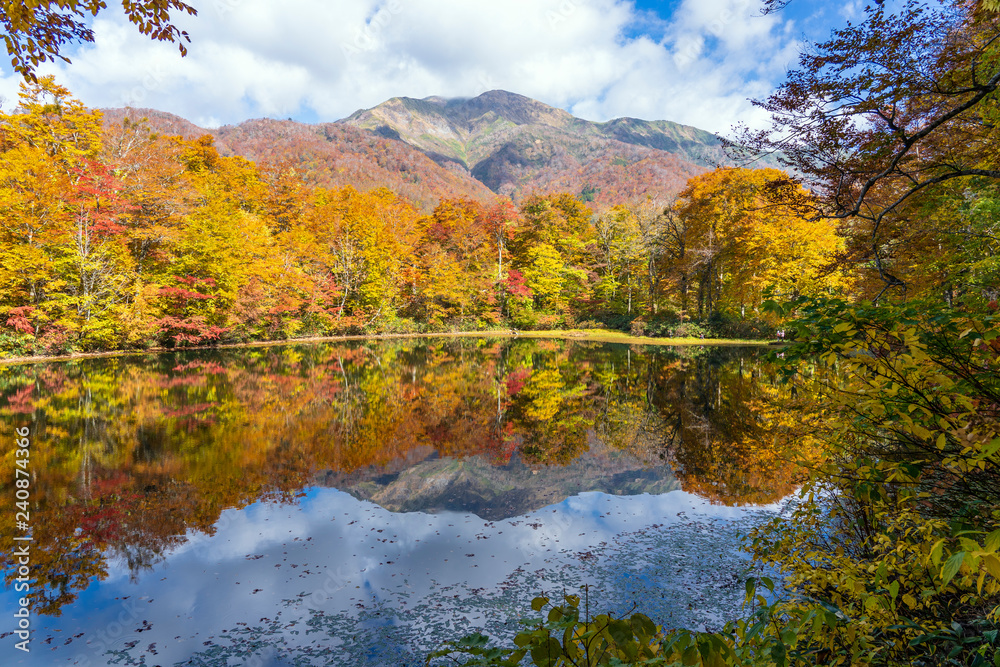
992, 564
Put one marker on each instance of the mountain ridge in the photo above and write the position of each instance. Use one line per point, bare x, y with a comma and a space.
495, 143
493, 492
470, 118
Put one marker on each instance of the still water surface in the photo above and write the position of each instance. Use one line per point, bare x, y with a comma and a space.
357, 503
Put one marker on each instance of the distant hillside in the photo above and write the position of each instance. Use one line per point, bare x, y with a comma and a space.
498, 142
329, 154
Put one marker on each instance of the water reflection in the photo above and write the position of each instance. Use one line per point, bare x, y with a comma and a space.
136, 458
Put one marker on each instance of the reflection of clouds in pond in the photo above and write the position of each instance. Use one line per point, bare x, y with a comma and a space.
334, 577
413, 427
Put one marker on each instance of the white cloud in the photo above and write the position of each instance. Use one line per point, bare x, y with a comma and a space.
323, 60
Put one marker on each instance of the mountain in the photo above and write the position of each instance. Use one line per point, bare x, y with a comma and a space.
494, 492
498, 142
327, 154
516, 145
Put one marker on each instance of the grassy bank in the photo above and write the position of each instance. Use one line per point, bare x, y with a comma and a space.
589, 335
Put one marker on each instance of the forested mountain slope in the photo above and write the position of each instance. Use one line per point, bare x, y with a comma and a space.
327, 154
498, 142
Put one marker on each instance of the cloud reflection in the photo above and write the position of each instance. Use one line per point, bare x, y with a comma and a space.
282, 573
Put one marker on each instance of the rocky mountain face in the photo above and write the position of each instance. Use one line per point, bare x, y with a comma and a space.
516, 145
472, 131
498, 142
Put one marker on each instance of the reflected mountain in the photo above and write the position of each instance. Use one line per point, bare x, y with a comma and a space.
491, 492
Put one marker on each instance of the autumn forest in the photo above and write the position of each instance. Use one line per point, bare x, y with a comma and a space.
116, 237
860, 226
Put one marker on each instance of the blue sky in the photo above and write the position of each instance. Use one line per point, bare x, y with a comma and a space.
691, 61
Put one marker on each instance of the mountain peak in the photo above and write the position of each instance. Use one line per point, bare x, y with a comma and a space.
438, 147
514, 108
514, 144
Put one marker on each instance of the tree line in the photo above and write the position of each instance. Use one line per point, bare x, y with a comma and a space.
117, 237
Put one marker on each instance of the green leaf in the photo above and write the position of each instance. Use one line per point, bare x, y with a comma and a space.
772, 306
951, 567
779, 654
569, 646
547, 653
538, 603
643, 626
620, 631
992, 447
475, 640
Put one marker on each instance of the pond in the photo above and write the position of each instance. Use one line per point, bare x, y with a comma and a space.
357, 503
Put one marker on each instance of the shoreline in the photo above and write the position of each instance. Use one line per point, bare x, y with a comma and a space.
583, 335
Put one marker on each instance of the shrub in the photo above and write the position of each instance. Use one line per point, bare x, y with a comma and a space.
689, 330
54, 339
16, 344
750, 328
401, 325
548, 322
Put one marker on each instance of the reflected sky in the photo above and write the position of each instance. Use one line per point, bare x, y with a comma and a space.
334, 577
